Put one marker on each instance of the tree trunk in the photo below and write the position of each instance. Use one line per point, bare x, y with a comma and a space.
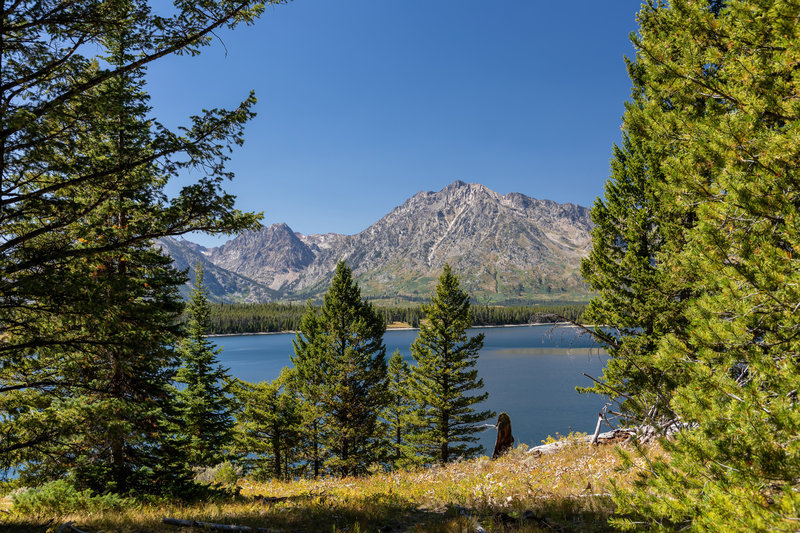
276, 450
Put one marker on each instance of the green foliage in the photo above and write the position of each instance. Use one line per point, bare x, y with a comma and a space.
254, 318
205, 404
88, 308
717, 99
226, 474
399, 416
269, 426
444, 378
116, 382
60, 498
638, 296
340, 360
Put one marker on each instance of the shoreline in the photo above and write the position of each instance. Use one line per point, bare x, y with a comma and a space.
554, 324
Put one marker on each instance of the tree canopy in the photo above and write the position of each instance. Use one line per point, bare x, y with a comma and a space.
87, 308
716, 103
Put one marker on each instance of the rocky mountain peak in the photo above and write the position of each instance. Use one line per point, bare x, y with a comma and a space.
505, 247
271, 255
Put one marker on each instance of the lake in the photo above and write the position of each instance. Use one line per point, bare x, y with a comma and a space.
529, 371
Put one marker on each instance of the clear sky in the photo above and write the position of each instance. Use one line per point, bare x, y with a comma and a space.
364, 103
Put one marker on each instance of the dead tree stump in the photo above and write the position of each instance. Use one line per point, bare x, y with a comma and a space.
505, 440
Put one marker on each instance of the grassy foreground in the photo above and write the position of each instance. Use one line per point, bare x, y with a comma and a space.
562, 491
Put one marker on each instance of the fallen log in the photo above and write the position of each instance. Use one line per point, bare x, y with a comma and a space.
609, 437
642, 433
67, 527
211, 526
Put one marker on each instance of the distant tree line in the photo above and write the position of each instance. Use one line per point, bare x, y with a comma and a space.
254, 318
228, 318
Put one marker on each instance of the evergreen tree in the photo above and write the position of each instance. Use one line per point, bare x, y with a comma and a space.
719, 99
205, 403
88, 307
309, 381
445, 376
82, 170
268, 425
341, 370
122, 415
398, 416
635, 234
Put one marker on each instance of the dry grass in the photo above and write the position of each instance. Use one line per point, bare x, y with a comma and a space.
562, 491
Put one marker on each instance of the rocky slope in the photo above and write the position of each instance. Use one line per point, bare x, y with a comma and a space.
505, 247
274, 256
223, 285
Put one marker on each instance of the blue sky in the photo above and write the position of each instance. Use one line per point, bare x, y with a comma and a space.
364, 103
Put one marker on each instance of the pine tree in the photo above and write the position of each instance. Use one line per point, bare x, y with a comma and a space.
82, 169
268, 425
340, 360
88, 306
309, 381
122, 414
719, 99
445, 376
398, 415
634, 236
205, 403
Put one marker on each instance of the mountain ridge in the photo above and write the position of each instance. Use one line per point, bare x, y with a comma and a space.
505, 247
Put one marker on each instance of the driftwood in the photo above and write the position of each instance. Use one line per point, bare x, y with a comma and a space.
211, 526
67, 527
609, 437
642, 433
597, 428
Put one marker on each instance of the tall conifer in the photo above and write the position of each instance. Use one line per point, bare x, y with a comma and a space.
445, 380
634, 236
205, 403
399, 415
82, 170
719, 93
116, 387
340, 360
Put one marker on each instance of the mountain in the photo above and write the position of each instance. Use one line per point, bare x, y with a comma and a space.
506, 248
223, 285
274, 256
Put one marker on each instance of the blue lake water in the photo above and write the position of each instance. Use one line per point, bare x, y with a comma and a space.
530, 372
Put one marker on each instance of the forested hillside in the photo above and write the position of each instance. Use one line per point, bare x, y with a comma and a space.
275, 317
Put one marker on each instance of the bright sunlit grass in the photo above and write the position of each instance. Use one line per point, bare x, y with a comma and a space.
565, 490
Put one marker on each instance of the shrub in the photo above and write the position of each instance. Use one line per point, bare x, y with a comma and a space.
574, 437
222, 474
227, 474
61, 498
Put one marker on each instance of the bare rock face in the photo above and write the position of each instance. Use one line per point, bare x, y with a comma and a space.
505, 248
223, 285
273, 256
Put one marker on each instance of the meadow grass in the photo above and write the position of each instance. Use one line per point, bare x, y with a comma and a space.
564, 491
